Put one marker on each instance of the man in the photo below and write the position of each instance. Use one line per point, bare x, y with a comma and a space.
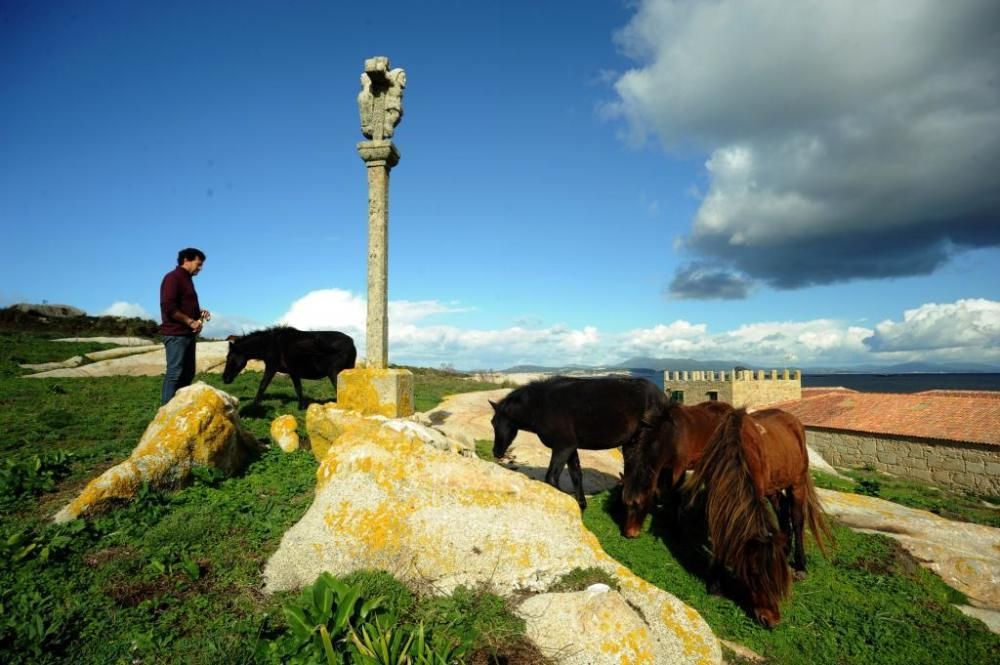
182, 318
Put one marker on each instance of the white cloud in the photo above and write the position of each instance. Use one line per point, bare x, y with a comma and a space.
845, 140
127, 310
965, 324
819, 342
329, 309
223, 325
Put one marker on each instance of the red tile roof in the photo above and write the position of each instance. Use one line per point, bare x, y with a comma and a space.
952, 415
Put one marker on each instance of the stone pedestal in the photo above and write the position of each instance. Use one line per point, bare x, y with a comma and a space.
376, 391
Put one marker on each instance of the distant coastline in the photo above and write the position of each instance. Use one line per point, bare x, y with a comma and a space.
886, 383
911, 382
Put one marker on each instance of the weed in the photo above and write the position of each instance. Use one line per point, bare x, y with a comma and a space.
579, 579
484, 450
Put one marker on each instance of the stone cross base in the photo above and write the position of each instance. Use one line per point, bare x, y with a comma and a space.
384, 392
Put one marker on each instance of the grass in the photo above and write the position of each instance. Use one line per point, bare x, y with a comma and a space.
940, 501
175, 577
870, 603
171, 577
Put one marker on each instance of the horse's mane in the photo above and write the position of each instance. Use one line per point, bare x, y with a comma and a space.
742, 526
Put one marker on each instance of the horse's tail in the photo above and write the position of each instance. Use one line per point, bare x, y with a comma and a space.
816, 518
742, 526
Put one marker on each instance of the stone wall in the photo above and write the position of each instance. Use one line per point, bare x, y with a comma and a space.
953, 464
738, 387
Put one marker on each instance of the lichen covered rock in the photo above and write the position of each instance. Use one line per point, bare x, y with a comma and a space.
592, 627
199, 426
387, 500
284, 431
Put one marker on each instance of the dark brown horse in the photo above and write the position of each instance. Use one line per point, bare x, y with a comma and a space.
677, 437
570, 413
302, 354
759, 494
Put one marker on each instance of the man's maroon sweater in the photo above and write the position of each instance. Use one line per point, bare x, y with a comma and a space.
177, 294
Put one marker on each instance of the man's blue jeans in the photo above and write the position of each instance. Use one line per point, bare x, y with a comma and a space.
180, 364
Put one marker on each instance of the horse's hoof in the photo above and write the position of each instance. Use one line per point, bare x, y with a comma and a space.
800, 575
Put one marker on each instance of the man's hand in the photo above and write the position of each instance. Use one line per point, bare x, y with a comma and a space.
196, 325
206, 315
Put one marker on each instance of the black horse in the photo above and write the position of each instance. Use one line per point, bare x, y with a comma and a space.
302, 354
568, 413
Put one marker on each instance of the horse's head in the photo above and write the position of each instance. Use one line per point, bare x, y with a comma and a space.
235, 360
769, 579
504, 429
645, 457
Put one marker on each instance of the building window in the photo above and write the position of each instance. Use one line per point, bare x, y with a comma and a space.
713, 395
677, 396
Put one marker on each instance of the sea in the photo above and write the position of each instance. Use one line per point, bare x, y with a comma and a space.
883, 383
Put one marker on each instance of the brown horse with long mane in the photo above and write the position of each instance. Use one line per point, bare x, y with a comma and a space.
673, 445
759, 493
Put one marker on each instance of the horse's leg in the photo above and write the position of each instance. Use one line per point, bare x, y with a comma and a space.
297, 382
784, 512
576, 475
264, 382
715, 572
798, 501
560, 455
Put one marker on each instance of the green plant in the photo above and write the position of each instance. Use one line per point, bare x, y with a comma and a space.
484, 450
321, 619
868, 487
579, 579
37, 474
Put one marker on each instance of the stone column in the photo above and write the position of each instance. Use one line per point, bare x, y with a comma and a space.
376, 389
379, 157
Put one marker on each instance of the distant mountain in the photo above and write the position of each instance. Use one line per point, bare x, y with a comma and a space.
646, 364
681, 364
909, 368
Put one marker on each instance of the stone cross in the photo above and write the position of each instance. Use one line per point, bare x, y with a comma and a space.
380, 104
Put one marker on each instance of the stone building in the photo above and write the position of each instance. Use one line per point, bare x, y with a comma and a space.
747, 388
948, 438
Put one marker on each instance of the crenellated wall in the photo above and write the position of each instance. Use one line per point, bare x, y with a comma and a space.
741, 388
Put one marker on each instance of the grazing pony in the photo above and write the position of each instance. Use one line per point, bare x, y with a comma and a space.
302, 354
675, 444
755, 470
568, 413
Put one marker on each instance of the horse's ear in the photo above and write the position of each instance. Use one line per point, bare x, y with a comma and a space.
493, 404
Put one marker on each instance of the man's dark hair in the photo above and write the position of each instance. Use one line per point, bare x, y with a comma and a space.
189, 254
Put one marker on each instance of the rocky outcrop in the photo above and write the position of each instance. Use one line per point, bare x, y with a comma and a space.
75, 361
120, 341
966, 556
386, 499
592, 627
199, 426
147, 361
326, 422
50, 311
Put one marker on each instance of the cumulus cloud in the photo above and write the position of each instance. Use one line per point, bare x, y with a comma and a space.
127, 310
846, 140
414, 339
701, 282
223, 325
965, 324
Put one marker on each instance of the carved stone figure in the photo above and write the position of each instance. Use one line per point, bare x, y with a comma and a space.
380, 101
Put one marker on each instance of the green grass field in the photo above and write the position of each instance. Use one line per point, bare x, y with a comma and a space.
175, 577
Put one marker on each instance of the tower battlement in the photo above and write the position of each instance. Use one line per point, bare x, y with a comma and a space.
741, 388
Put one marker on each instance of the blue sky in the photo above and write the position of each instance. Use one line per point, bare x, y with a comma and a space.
786, 185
